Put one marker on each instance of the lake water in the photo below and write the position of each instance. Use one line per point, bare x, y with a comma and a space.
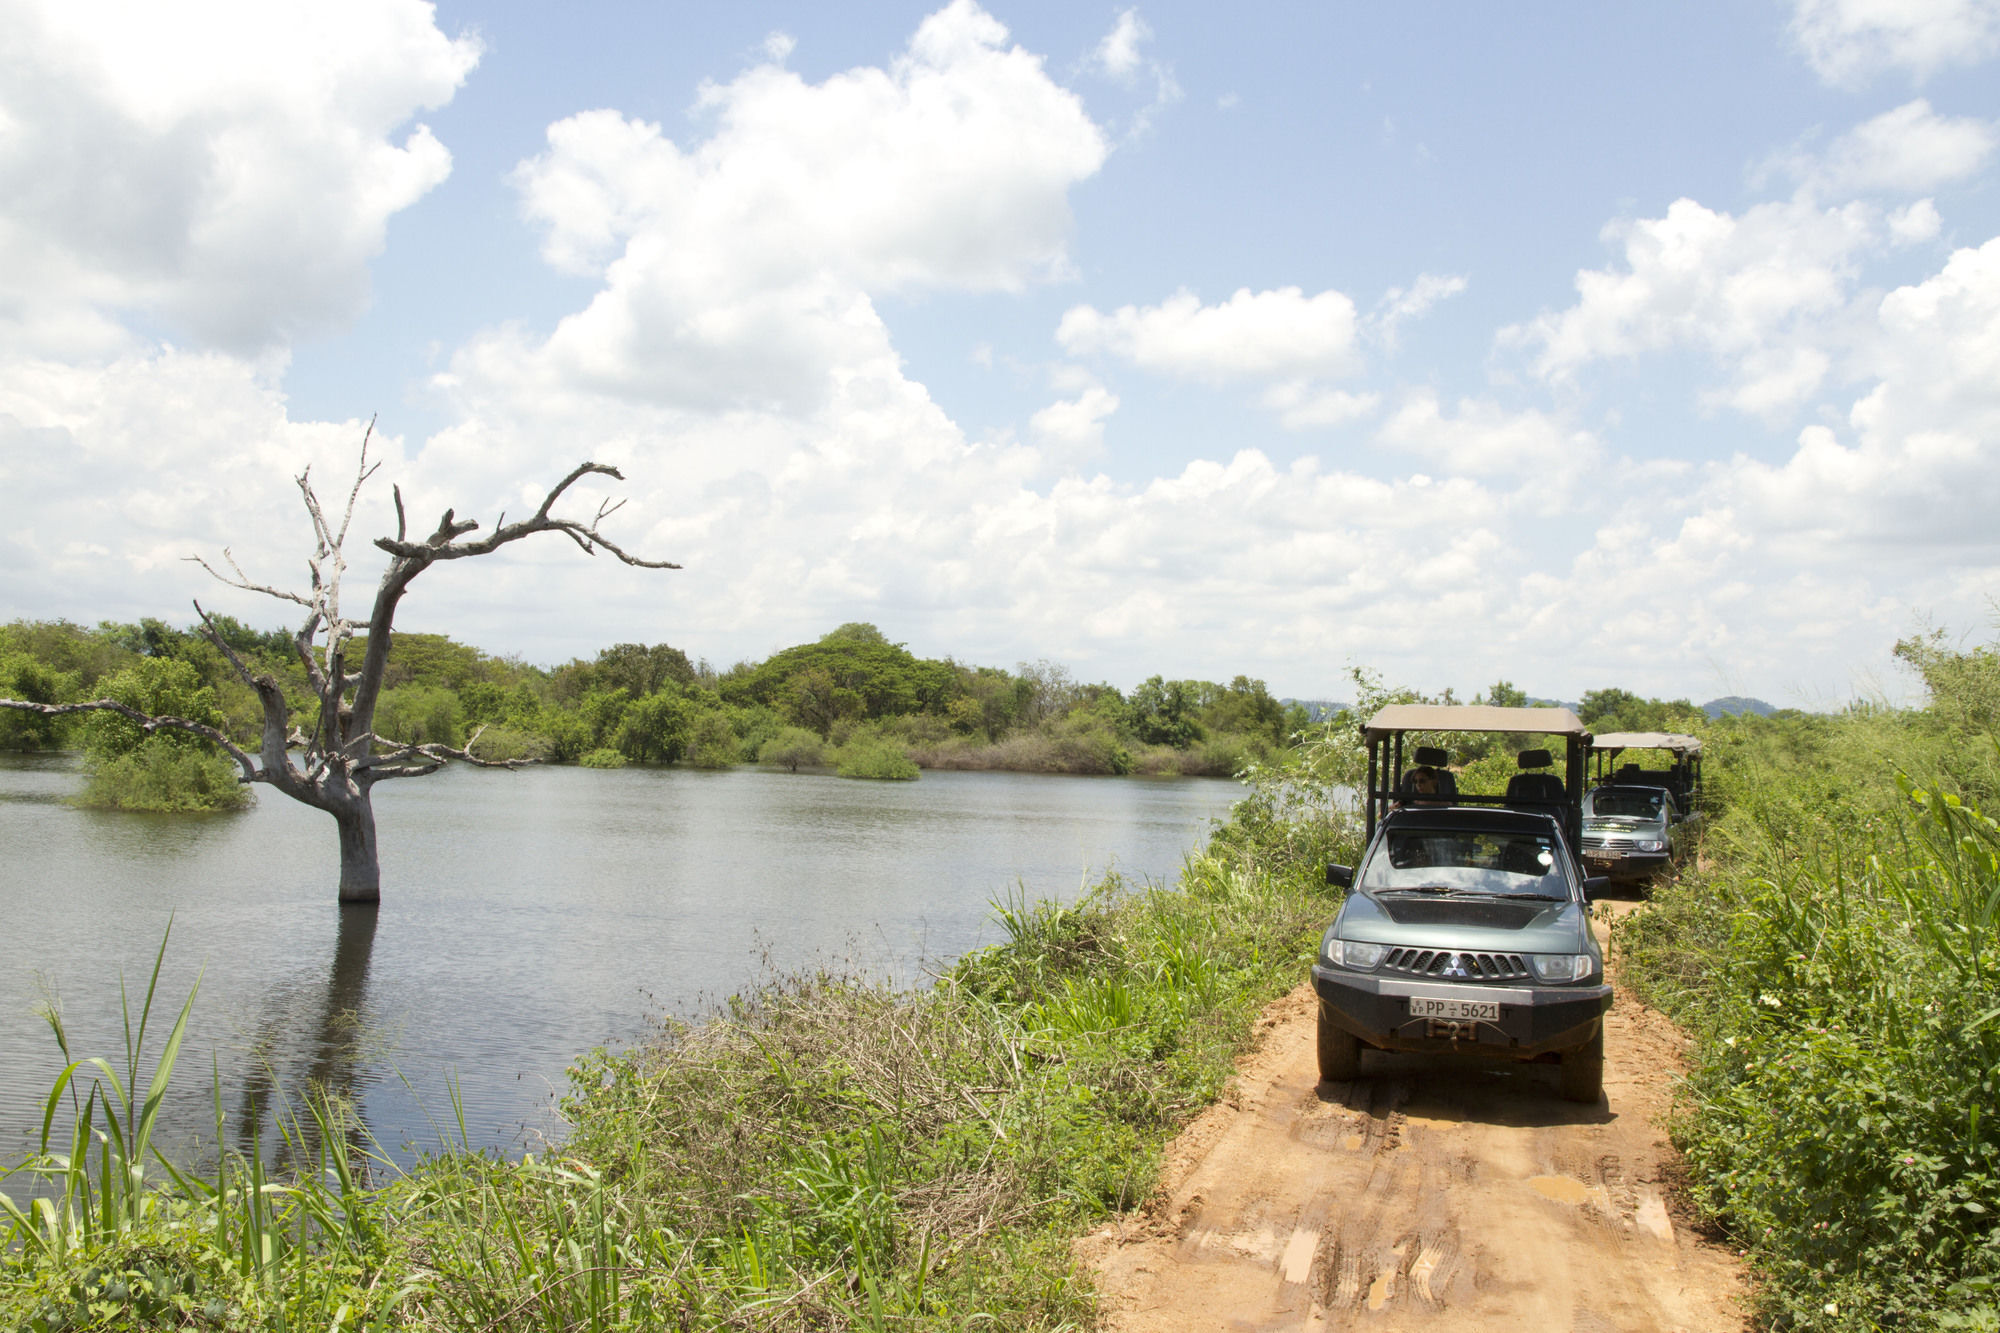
525, 918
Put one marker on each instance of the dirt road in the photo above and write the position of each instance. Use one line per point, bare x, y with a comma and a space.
1427, 1194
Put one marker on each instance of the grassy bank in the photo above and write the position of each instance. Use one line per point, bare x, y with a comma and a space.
826, 1153
1837, 957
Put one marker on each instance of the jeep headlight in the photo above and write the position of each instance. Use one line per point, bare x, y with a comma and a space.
1559, 967
1355, 955
1650, 844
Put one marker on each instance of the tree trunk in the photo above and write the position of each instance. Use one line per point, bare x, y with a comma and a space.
360, 868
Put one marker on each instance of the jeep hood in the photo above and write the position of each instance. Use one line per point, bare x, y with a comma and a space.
1498, 925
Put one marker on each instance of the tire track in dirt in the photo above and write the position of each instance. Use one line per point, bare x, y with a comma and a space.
1427, 1194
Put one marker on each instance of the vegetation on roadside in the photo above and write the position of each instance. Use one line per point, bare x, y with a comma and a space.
1836, 956
824, 1153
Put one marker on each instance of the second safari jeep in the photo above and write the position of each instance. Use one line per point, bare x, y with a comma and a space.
1467, 931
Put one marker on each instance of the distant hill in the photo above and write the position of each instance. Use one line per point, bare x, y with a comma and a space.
1736, 704
1319, 710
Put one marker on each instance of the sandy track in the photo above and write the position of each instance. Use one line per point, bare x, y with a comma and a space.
1427, 1194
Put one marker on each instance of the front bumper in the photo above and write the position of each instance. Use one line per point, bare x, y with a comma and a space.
1619, 863
1534, 1020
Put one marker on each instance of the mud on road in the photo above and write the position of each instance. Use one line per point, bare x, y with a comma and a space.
1427, 1194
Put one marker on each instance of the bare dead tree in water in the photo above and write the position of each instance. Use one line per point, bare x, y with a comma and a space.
332, 758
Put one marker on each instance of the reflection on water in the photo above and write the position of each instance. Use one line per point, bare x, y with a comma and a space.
526, 917
319, 1032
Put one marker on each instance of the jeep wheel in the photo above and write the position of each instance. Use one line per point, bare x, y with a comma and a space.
1339, 1050
1582, 1074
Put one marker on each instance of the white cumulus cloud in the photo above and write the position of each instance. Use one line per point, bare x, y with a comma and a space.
226, 168
1281, 334
1761, 292
1849, 42
1909, 150
738, 269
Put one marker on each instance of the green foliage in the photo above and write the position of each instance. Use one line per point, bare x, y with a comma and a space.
602, 758
654, 729
851, 674
502, 742
1838, 957
162, 777
67, 649
870, 756
792, 747
420, 715
648, 701
640, 670
158, 687
713, 743
24, 678
1621, 710
1964, 692
1163, 713
129, 768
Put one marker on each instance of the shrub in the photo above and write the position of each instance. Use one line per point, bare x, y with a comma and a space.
873, 757
163, 777
713, 743
793, 746
129, 768
604, 757
420, 715
1838, 957
501, 742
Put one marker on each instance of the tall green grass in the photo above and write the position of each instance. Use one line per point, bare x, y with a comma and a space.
1838, 959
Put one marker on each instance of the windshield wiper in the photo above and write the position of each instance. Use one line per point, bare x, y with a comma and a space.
1423, 888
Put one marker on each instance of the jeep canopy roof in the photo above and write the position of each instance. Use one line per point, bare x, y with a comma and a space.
1647, 740
1473, 717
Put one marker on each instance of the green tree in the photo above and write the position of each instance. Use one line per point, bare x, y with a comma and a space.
22, 677
1621, 710
420, 715
643, 670
655, 729
1163, 713
129, 766
712, 742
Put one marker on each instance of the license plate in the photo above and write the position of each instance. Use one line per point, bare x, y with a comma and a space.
1420, 1007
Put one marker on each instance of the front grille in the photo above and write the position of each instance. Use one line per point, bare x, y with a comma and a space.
1608, 844
1475, 966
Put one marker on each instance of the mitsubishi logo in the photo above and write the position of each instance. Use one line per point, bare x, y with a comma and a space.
1458, 965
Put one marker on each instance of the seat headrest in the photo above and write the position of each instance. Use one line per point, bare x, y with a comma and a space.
1535, 759
1433, 756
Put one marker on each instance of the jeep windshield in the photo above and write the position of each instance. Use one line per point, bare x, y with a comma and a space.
1630, 803
1473, 862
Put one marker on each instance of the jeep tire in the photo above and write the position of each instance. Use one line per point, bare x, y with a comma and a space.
1581, 1076
1339, 1050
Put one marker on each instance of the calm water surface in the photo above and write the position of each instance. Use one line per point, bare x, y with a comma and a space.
526, 917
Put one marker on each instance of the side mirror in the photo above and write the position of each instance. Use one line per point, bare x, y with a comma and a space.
1595, 886
1340, 877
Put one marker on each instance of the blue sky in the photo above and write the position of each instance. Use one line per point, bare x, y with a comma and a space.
1577, 346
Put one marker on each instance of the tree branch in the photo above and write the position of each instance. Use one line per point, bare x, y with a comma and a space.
148, 724
444, 543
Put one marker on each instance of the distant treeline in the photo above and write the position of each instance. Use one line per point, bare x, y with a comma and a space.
851, 700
